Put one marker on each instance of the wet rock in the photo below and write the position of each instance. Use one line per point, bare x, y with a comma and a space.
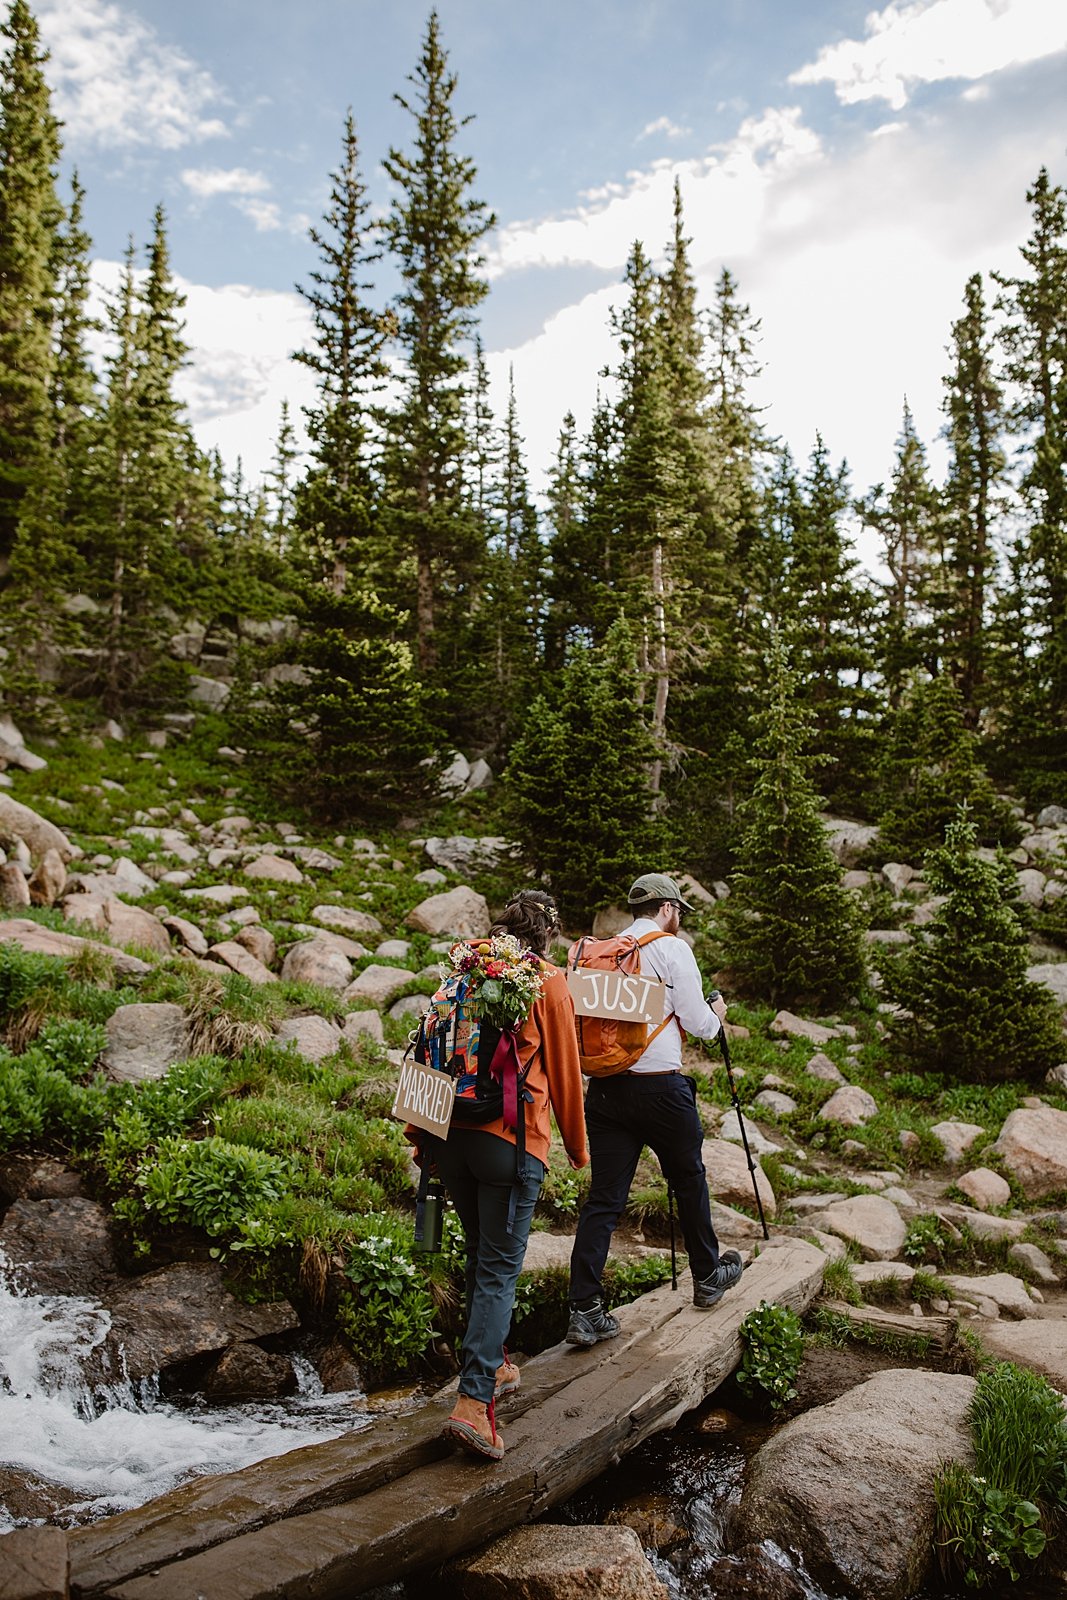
872, 1223
984, 1188
849, 1485
652, 1518
60, 1246
378, 984
34, 1564
1033, 1147
315, 961
345, 920
850, 1106
246, 1372
752, 1573
337, 1369
729, 1178
48, 879
177, 1313
273, 869
144, 1040
460, 912
314, 1037
564, 1563
19, 822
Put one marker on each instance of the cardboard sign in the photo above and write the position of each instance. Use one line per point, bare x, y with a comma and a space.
424, 1097
627, 996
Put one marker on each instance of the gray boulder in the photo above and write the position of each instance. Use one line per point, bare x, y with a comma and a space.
849, 1486
314, 1037
144, 1040
19, 822
60, 1246
316, 961
461, 912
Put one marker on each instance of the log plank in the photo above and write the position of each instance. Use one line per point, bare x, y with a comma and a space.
209, 1511
632, 1387
937, 1330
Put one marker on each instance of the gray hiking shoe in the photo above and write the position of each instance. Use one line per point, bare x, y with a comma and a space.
590, 1323
709, 1291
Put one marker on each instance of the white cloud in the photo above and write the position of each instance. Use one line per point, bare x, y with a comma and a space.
206, 182
930, 40
726, 194
116, 83
241, 368
265, 215
854, 260
663, 125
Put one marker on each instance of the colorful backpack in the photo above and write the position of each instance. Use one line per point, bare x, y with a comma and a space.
490, 1079
607, 1045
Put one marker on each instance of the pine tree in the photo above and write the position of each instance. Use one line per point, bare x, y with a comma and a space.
281, 487
1035, 342
970, 1010
575, 789
30, 215
827, 629
585, 596
791, 934
738, 440
352, 737
335, 503
909, 521
433, 231
974, 411
930, 767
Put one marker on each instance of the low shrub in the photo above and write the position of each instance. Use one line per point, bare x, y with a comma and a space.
774, 1349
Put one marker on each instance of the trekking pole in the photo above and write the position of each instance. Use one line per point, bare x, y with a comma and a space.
716, 995
674, 1242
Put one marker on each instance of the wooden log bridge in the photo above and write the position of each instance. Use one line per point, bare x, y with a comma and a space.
329, 1521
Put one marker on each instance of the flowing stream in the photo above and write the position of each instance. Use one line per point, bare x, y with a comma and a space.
108, 1451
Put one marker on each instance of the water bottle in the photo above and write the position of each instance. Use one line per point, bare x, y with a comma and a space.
429, 1214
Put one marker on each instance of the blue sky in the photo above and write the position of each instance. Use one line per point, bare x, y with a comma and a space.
852, 166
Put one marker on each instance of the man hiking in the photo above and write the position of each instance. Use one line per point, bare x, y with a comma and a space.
651, 1103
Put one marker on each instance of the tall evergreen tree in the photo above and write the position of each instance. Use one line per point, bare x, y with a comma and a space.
969, 1009
281, 487
433, 230
335, 502
929, 767
908, 518
974, 412
739, 441
827, 629
575, 790
1035, 342
30, 215
791, 934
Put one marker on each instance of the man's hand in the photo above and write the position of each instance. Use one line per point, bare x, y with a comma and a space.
717, 1004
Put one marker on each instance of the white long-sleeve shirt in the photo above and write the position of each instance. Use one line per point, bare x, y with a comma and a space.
671, 961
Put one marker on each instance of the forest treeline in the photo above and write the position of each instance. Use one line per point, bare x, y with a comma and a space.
682, 565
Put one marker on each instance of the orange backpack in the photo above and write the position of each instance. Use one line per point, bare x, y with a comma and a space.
607, 1045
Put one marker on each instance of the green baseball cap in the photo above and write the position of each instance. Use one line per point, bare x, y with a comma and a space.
656, 886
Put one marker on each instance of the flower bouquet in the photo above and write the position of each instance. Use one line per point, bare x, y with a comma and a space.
503, 980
